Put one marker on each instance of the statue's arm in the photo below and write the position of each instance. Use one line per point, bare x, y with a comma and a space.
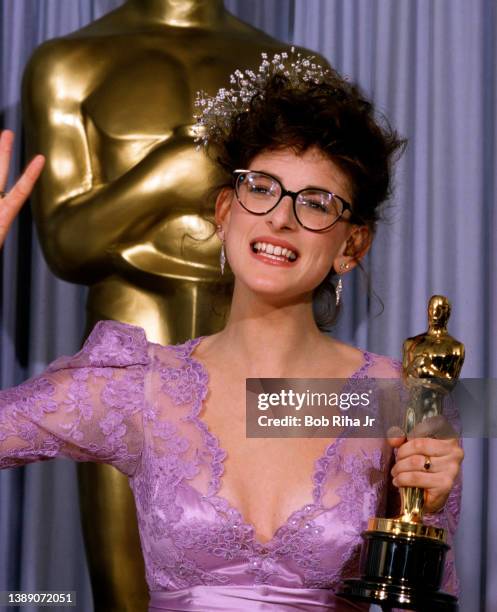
79, 219
406, 350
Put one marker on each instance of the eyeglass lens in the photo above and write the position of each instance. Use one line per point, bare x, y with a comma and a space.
315, 209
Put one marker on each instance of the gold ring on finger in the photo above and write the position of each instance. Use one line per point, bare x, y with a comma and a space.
427, 463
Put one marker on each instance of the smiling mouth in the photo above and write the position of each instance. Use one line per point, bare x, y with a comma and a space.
275, 252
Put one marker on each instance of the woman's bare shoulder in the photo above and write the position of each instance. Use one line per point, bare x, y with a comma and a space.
352, 359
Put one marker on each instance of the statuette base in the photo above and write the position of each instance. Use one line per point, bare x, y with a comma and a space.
401, 566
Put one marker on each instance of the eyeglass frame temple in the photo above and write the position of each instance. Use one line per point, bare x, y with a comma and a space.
293, 195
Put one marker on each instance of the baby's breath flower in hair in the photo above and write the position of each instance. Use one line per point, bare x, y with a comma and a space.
216, 113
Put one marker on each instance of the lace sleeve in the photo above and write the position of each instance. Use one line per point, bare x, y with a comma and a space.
87, 407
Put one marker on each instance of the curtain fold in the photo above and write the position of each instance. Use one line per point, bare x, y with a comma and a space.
430, 67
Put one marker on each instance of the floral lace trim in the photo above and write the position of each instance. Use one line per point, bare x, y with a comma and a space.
196, 371
194, 380
322, 463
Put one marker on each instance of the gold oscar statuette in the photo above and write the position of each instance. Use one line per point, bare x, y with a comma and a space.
402, 559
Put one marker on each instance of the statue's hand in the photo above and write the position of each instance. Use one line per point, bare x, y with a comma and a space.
436, 439
11, 202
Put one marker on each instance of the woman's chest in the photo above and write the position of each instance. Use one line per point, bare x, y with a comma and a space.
199, 439
264, 478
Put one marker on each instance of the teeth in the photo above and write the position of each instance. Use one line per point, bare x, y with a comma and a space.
275, 257
275, 251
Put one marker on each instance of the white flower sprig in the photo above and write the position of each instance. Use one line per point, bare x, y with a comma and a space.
215, 113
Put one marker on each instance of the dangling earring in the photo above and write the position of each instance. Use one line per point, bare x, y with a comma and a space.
339, 287
338, 290
222, 256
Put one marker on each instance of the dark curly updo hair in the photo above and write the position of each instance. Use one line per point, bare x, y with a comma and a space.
332, 115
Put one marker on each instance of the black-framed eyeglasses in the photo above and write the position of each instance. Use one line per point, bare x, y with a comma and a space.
315, 209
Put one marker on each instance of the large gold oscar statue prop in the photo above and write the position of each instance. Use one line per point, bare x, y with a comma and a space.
123, 201
402, 560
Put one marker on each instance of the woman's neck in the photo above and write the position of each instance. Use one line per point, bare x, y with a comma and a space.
181, 13
271, 340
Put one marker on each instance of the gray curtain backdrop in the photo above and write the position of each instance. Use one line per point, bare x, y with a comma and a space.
430, 67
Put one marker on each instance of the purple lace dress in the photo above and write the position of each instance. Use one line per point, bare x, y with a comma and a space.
136, 405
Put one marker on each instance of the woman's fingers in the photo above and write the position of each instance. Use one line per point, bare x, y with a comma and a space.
441, 481
11, 202
6, 144
438, 463
445, 457
434, 427
24, 186
416, 463
437, 486
429, 447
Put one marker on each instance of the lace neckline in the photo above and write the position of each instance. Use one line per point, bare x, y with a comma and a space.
218, 454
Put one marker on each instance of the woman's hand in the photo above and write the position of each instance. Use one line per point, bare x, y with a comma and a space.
445, 457
11, 202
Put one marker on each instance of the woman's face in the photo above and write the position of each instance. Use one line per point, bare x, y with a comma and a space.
316, 252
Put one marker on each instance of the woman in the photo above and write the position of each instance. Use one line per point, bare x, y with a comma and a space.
229, 522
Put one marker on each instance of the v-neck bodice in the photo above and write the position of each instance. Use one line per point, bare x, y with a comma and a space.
137, 405
219, 456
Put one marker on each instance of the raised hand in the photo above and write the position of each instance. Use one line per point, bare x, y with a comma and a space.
11, 201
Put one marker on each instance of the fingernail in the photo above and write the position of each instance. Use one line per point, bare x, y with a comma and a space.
394, 481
